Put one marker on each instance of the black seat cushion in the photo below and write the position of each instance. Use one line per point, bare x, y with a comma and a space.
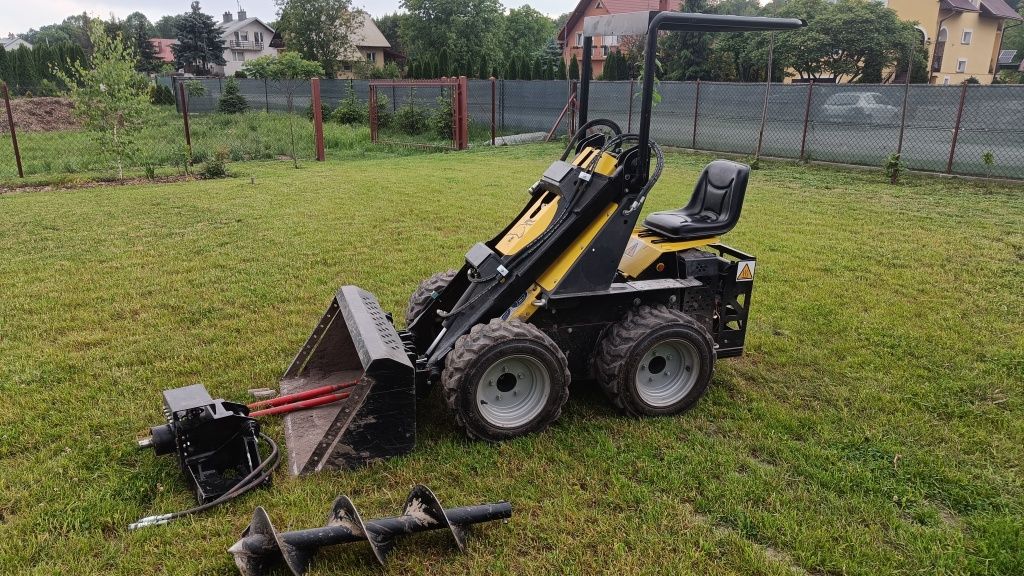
713, 209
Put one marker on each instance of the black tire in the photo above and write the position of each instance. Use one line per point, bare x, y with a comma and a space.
426, 292
643, 334
483, 350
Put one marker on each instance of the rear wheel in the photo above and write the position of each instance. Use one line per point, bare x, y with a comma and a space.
426, 293
656, 361
505, 379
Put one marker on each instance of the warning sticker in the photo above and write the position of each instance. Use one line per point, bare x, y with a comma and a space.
745, 270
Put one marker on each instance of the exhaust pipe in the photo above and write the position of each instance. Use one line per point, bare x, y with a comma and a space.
354, 341
261, 546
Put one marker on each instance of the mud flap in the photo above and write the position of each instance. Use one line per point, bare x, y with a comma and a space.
354, 341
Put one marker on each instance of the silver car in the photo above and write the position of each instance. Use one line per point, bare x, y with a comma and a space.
859, 107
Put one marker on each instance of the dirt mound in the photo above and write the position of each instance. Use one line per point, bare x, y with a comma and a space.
40, 115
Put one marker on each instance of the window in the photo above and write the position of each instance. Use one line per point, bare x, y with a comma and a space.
604, 50
610, 40
945, 81
371, 57
245, 36
579, 38
599, 4
967, 36
238, 56
961, 65
346, 66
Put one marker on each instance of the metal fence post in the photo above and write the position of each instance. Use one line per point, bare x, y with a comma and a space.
266, 95
696, 106
767, 91
956, 128
494, 88
372, 98
906, 98
807, 120
318, 119
502, 105
629, 121
10, 125
184, 115
462, 89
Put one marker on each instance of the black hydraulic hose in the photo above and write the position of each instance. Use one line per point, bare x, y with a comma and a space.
252, 480
583, 130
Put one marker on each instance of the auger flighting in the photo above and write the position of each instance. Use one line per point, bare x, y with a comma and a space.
261, 545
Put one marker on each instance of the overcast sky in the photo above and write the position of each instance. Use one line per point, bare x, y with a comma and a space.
19, 16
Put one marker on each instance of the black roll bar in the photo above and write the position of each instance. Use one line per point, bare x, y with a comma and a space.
650, 23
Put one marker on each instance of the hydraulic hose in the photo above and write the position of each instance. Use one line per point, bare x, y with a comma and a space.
252, 480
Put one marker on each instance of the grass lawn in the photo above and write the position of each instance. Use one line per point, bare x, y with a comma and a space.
875, 425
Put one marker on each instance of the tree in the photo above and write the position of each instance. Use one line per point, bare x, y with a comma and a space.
390, 26
25, 72
167, 26
199, 42
110, 96
232, 101
468, 29
137, 32
319, 30
685, 55
843, 39
574, 68
560, 72
526, 31
288, 70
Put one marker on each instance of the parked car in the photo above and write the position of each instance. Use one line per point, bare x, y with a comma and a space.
859, 107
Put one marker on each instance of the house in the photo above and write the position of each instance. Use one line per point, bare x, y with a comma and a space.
12, 43
244, 39
162, 47
963, 36
570, 37
368, 44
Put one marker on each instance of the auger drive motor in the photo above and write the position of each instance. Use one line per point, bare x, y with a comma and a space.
575, 287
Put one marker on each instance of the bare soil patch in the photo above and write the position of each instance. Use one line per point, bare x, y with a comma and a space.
42, 114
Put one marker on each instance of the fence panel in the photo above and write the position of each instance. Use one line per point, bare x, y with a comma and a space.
854, 124
530, 105
672, 118
991, 138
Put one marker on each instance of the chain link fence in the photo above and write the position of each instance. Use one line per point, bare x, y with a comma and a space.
969, 130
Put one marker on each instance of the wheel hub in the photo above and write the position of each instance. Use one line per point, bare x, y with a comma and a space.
667, 372
513, 391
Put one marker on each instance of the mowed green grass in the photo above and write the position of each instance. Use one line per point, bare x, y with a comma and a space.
875, 425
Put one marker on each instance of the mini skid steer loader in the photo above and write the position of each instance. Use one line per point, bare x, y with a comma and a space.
573, 287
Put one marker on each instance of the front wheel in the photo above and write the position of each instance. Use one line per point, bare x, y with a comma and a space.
656, 361
505, 379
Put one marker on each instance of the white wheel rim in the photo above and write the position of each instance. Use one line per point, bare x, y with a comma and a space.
513, 391
667, 372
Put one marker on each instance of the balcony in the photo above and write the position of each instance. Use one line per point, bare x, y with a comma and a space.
245, 45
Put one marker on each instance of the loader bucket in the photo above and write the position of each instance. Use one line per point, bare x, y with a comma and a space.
353, 342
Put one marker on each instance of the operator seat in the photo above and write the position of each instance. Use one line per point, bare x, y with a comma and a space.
714, 207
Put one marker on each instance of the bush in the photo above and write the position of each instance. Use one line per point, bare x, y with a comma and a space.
385, 117
195, 88
232, 101
48, 88
441, 122
410, 119
240, 74
350, 109
161, 95
325, 111
215, 167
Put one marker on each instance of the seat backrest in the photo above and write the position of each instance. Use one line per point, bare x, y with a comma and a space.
719, 193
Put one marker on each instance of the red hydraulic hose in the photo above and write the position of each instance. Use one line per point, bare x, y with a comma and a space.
289, 398
300, 405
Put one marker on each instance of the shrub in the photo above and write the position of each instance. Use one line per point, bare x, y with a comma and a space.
232, 101
350, 109
195, 88
161, 95
48, 88
240, 74
385, 118
215, 167
410, 119
325, 111
441, 122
